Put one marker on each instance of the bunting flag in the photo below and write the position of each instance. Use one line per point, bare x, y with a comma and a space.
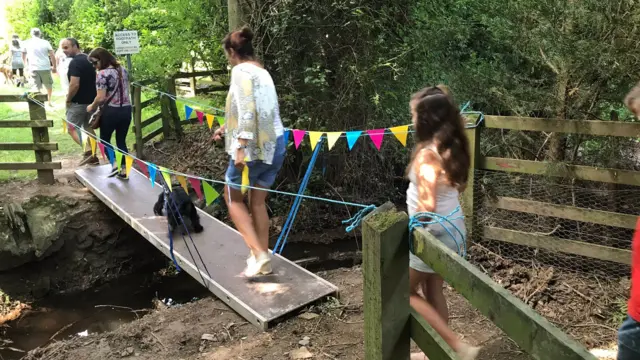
401, 133
110, 155
220, 120
245, 179
352, 137
187, 111
118, 159
298, 135
167, 177
128, 161
101, 146
376, 136
152, 174
195, 184
210, 194
210, 119
93, 146
286, 136
84, 140
143, 167
200, 116
183, 182
314, 137
332, 137
64, 127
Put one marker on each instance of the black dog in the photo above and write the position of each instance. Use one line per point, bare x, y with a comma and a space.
167, 203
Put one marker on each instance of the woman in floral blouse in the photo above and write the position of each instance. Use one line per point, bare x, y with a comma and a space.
254, 138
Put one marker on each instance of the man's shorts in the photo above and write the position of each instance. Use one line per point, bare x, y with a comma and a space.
629, 340
261, 174
77, 115
42, 77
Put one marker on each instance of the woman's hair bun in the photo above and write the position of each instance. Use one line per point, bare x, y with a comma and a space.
246, 33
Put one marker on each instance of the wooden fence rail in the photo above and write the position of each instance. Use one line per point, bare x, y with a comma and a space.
41, 145
390, 323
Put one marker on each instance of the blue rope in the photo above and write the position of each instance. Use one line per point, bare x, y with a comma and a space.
284, 234
414, 222
357, 218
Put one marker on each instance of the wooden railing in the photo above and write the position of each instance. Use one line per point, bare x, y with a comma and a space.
390, 322
472, 202
191, 85
41, 145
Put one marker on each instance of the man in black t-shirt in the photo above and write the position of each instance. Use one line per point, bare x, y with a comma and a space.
82, 92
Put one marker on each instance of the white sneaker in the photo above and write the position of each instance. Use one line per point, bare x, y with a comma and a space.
260, 265
468, 352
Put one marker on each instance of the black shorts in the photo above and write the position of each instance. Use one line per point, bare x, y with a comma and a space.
21, 70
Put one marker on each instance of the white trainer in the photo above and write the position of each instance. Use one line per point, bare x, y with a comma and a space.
261, 264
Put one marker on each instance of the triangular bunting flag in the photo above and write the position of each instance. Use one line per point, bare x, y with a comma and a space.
143, 167
84, 139
101, 146
332, 137
286, 136
298, 135
245, 179
93, 146
220, 120
187, 112
183, 182
128, 162
210, 119
64, 127
195, 184
401, 133
376, 136
352, 137
167, 177
118, 159
200, 116
110, 155
314, 138
210, 194
152, 174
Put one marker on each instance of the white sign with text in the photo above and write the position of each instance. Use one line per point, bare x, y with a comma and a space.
126, 42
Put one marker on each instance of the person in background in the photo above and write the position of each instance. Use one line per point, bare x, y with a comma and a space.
81, 77
38, 56
17, 65
62, 64
438, 173
112, 85
629, 332
254, 140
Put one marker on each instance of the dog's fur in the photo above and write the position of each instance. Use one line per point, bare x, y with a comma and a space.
7, 72
168, 200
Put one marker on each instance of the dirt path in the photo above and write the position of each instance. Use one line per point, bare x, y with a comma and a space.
337, 333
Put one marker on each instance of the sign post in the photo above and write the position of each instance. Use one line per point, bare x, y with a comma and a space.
126, 43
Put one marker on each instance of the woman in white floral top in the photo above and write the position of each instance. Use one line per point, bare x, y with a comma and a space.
254, 138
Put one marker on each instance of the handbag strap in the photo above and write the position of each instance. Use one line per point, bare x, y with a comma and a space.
117, 89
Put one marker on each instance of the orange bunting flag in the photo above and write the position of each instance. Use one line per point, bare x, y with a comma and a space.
314, 138
210, 119
401, 133
332, 137
183, 182
128, 161
93, 146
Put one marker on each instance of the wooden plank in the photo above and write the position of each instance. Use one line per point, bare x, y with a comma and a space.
428, 340
185, 75
151, 120
211, 89
532, 332
137, 120
151, 135
31, 166
41, 135
21, 98
590, 127
28, 146
385, 265
469, 197
557, 244
565, 212
580, 172
146, 103
25, 123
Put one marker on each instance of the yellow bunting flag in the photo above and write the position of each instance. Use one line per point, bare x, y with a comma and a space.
128, 161
245, 179
210, 194
167, 177
183, 182
210, 119
64, 127
401, 133
314, 138
332, 137
93, 143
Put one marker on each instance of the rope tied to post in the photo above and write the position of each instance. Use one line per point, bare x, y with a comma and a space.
415, 221
357, 218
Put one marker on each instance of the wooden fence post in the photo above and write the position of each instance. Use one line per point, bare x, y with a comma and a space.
173, 109
469, 196
386, 284
137, 120
41, 135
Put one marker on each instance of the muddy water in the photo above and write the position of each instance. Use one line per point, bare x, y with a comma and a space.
91, 312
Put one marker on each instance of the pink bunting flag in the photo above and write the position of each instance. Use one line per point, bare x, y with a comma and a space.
143, 167
195, 184
104, 154
298, 135
376, 136
200, 116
